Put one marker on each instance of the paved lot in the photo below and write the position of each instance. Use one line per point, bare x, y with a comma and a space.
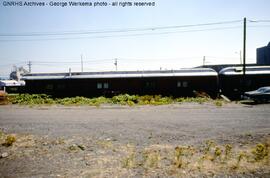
188, 123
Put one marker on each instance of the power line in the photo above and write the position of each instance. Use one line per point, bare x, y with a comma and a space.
117, 30
258, 21
10, 64
258, 26
127, 35
76, 61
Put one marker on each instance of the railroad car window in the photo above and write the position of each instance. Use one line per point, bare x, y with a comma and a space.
60, 86
13, 89
179, 84
106, 85
150, 84
49, 87
99, 85
249, 82
185, 84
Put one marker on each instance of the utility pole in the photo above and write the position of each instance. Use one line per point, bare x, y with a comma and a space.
240, 57
115, 63
240, 54
81, 63
203, 60
29, 66
244, 53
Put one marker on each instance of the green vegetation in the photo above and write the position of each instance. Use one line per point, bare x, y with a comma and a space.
178, 157
151, 158
123, 99
10, 139
260, 152
228, 151
218, 102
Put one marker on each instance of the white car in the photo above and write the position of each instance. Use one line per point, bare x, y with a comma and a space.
260, 95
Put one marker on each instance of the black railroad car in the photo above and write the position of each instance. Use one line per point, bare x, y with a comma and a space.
165, 82
233, 83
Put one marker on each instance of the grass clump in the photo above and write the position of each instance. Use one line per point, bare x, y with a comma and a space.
129, 161
154, 100
260, 152
30, 99
10, 139
199, 100
217, 153
228, 151
151, 158
125, 99
182, 156
178, 162
79, 100
218, 103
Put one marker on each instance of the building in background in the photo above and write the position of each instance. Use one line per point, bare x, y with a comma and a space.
263, 55
17, 73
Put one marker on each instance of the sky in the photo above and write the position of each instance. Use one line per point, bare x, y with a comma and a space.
158, 48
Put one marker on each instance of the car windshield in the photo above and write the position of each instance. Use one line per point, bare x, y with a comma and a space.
264, 90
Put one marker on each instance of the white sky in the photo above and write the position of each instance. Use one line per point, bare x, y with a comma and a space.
174, 50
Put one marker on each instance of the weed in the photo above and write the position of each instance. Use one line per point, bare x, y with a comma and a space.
72, 147
240, 157
151, 158
218, 103
178, 161
199, 100
208, 145
130, 103
129, 161
9, 140
259, 152
228, 151
217, 153
105, 144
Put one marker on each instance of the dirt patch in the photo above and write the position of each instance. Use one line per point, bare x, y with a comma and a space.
78, 156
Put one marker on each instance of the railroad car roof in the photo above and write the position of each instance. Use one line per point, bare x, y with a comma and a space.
11, 83
250, 70
121, 74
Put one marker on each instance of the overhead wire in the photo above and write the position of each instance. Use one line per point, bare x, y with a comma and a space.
258, 21
125, 35
115, 31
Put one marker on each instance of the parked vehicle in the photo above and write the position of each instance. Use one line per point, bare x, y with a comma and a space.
233, 84
260, 95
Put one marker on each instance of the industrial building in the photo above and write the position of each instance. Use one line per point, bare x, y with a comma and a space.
263, 55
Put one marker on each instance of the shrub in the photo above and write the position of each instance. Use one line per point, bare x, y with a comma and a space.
260, 152
9, 140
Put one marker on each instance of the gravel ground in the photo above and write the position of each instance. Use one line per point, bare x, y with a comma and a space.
112, 141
